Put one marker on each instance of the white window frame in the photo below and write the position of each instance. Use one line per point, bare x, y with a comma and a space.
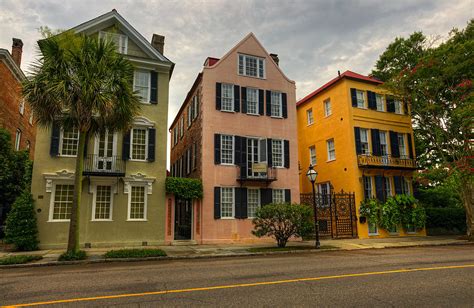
232, 150
260, 66
94, 202
309, 116
146, 143
17, 139
327, 107
259, 202
233, 203
122, 46
22, 106
388, 186
231, 97
313, 160
360, 100
61, 138
364, 132
329, 150
282, 143
402, 146
405, 186
144, 100
398, 105
253, 102
387, 151
280, 110
282, 195
129, 205
53, 196
380, 102
370, 186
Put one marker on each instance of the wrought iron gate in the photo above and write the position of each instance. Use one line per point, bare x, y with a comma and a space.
336, 213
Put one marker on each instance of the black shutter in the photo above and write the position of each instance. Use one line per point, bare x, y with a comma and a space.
151, 144
284, 105
217, 149
269, 153
55, 133
372, 100
237, 150
126, 146
269, 101
410, 146
405, 106
218, 95
397, 182
217, 202
390, 104
265, 196
357, 140
288, 195
244, 100
261, 98
154, 87
379, 193
238, 202
243, 203
354, 97
374, 133
243, 160
236, 98
394, 144
287, 153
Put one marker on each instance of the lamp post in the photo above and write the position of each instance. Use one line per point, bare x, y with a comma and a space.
312, 175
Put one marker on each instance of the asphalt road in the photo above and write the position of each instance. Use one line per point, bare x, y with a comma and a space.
406, 277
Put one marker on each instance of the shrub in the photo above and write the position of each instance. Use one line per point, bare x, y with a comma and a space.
390, 214
135, 253
370, 209
73, 256
282, 221
445, 221
19, 259
184, 188
21, 229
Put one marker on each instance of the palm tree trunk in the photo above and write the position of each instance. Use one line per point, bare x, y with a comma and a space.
73, 242
467, 194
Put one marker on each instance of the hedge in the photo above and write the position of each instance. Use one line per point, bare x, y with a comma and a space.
445, 221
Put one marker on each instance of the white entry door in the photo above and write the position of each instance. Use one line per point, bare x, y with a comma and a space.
105, 151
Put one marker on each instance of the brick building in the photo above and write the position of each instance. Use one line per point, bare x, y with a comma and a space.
15, 115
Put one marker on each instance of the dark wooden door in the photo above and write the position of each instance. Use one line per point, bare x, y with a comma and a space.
183, 214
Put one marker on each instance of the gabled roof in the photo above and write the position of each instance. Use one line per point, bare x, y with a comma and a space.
113, 17
346, 74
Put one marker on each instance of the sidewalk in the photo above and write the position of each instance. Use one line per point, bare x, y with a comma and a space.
208, 251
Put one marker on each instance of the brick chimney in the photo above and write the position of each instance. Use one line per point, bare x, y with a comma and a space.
275, 58
158, 42
17, 50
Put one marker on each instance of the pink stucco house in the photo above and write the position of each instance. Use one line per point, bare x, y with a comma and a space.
236, 130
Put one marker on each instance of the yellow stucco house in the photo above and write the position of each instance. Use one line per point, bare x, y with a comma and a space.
359, 139
123, 197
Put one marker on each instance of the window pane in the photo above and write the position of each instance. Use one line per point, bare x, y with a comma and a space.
312, 155
309, 114
252, 101
227, 202
139, 143
275, 104
253, 201
277, 153
62, 204
380, 102
227, 149
142, 84
137, 202
331, 149
227, 103
102, 202
278, 196
327, 108
360, 99
364, 140
251, 66
70, 142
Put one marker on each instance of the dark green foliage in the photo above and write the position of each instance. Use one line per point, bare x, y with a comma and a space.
445, 221
184, 188
282, 221
135, 253
73, 255
20, 259
370, 208
20, 228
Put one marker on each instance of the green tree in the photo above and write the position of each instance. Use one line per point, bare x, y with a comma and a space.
82, 82
439, 91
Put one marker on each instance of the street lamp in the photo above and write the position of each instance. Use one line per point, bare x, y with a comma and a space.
312, 175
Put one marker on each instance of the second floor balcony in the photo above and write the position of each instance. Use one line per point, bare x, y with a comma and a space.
95, 165
256, 173
386, 161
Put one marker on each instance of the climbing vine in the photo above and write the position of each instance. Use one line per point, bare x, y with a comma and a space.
184, 188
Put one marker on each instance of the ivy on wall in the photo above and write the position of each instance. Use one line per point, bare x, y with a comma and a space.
184, 188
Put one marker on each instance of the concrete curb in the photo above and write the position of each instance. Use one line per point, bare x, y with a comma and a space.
231, 255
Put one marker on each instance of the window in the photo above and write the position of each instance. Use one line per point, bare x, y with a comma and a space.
190, 115
22, 106
325, 190
181, 127
398, 106
393, 230
383, 143
227, 149
141, 84
175, 135
251, 66
312, 155
195, 106
380, 102
138, 144
118, 39
30, 119
327, 108
227, 202
252, 101
137, 204
276, 105
28, 144
278, 196
195, 151
373, 229
69, 142
360, 99
309, 116
331, 149
189, 158
388, 187
253, 201
62, 202
17, 139
364, 141
368, 187
277, 153
405, 186
103, 203
227, 103
401, 146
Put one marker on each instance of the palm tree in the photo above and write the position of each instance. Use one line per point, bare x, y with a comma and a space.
81, 82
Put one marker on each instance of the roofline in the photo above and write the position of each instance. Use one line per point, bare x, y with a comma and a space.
190, 92
14, 68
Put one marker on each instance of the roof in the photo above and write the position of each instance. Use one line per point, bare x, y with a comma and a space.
10, 63
188, 96
346, 74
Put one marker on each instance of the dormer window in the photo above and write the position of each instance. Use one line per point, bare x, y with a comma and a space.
120, 40
251, 66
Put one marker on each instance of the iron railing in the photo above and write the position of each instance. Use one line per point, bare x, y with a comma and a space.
103, 166
370, 160
266, 174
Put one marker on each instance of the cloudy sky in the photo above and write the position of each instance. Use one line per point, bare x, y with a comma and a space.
313, 38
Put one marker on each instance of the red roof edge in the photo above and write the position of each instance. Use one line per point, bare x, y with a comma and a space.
346, 74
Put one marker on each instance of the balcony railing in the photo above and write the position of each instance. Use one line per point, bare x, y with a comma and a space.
103, 166
387, 161
258, 172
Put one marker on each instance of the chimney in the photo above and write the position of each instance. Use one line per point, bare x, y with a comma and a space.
17, 50
158, 42
339, 73
275, 58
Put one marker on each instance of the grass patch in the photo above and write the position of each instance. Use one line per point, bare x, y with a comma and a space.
73, 256
287, 248
19, 259
135, 253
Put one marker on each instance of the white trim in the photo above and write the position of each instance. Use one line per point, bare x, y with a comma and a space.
233, 150
146, 145
244, 71
232, 97
145, 206
328, 151
258, 197
61, 138
146, 100
233, 203
123, 40
113, 190
63, 176
51, 200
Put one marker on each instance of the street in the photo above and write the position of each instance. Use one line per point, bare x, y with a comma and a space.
401, 277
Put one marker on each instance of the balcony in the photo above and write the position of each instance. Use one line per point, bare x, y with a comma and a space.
257, 173
386, 162
95, 165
